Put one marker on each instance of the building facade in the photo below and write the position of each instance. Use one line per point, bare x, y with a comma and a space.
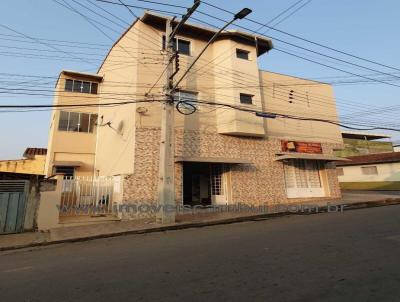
222, 155
72, 135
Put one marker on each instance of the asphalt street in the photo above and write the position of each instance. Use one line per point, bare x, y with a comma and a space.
350, 256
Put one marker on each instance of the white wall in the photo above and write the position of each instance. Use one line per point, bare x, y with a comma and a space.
386, 172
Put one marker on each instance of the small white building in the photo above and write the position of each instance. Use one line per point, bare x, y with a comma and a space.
379, 171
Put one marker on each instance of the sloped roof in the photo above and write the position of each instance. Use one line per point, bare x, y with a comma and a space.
29, 152
264, 44
364, 135
377, 158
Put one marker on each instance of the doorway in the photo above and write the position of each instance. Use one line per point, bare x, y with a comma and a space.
204, 183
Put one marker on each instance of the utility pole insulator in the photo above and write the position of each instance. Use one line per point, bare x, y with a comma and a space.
176, 57
176, 61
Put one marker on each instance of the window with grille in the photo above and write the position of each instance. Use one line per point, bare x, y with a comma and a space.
216, 180
301, 173
77, 122
370, 170
80, 86
66, 170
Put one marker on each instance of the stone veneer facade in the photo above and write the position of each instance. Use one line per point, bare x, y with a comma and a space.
261, 182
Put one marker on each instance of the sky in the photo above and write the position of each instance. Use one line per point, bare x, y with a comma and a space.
365, 28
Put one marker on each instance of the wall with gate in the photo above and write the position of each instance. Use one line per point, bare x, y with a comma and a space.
78, 196
87, 195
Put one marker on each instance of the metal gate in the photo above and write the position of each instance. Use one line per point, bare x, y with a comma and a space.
13, 200
87, 195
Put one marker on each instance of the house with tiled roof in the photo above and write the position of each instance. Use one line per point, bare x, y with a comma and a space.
380, 171
33, 162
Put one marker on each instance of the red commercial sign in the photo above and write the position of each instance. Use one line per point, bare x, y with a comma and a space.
301, 147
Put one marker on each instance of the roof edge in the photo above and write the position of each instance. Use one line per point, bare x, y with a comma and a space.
116, 42
296, 77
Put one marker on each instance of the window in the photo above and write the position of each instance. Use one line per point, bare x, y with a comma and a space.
189, 99
77, 122
66, 170
302, 173
63, 122
68, 85
77, 86
84, 123
73, 122
246, 98
92, 122
183, 46
182, 95
80, 86
242, 54
93, 89
371, 170
85, 87
340, 171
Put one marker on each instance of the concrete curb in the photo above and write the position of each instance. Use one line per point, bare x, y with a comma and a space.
180, 226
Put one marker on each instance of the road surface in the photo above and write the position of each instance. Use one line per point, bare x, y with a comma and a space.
351, 256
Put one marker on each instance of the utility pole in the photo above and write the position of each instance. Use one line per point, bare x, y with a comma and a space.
166, 179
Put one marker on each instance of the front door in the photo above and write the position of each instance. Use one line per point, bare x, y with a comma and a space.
219, 194
196, 184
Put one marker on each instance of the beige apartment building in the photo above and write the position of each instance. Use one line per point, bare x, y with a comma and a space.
222, 155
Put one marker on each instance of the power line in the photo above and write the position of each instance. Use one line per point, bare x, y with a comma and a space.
289, 116
44, 43
128, 8
280, 14
287, 16
62, 41
291, 14
304, 39
322, 64
209, 15
79, 105
310, 96
236, 107
347, 62
107, 12
309, 50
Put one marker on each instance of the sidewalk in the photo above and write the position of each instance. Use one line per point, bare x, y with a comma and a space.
148, 225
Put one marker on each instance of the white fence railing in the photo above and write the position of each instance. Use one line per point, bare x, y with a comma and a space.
87, 195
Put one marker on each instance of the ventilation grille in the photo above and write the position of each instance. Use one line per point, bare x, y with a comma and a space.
12, 186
